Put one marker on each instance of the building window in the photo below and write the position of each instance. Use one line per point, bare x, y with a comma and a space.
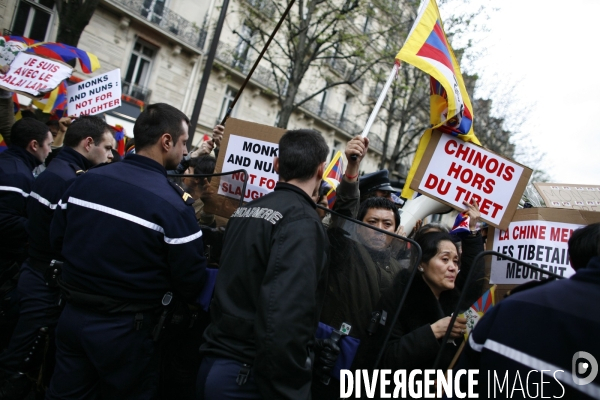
153, 10
346, 107
227, 100
337, 146
240, 54
323, 102
33, 19
138, 71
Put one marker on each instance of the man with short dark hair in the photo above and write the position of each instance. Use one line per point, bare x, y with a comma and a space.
146, 248
87, 143
270, 286
30, 145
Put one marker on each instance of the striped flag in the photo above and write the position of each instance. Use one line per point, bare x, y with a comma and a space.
333, 176
427, 48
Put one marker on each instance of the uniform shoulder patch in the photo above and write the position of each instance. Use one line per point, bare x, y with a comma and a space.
77, 169
187, 198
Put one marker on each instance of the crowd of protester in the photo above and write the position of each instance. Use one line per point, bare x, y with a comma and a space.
109, 285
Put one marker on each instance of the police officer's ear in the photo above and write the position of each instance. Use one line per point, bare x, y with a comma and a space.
87, 143
166, 141
321, 170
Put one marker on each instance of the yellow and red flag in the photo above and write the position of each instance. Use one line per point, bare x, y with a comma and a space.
427, 48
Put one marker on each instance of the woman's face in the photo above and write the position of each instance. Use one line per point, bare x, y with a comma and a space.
440, 272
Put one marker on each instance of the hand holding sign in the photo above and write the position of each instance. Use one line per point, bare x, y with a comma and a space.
218, 132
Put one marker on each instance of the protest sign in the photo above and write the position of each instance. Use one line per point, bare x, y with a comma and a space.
249, 146
34, 75
537, 236
95, 95
453, 171
578, 197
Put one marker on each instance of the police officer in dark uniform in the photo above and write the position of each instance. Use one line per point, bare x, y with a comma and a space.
129, 240
30, 145
88, 142
270, 286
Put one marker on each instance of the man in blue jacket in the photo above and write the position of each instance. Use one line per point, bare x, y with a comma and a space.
87, 142
542, 342
130, 241
30, 145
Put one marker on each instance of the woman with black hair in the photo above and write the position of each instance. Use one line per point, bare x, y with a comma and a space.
417, 334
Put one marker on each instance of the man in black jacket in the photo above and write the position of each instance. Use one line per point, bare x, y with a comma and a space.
271, 285
88, 142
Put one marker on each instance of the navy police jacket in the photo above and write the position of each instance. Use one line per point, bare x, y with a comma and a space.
541, 339
127, 233
16, 180
47, 191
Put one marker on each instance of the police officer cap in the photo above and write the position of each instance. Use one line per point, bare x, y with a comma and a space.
375, 181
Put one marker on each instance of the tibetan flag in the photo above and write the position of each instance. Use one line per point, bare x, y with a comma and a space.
54, 102
3, 145
16, 107
427, 48
461, 224
120, 138
479, 308
332, 177
58, 51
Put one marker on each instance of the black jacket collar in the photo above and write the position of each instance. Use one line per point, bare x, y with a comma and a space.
145, 162
296, 189
71, 156
29, 159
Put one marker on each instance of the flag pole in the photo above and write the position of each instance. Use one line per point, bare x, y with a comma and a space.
380, 101
260, 56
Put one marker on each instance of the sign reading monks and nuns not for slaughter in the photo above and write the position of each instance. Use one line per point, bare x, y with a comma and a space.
34, 75
95, 95
251, 147
256, 157
453, 171
537, 236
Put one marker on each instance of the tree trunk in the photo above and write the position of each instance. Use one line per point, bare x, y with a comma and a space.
74, 16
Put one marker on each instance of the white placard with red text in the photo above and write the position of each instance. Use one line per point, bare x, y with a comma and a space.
34, 75
457, 171
540, 243
95, 95
255, 156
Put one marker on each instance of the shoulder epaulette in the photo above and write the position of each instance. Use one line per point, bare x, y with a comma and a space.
187, 198
77, 169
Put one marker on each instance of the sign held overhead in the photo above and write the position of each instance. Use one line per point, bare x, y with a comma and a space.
95, 95
454, 171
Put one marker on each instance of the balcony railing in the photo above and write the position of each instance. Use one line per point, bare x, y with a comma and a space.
168, 21
137, 92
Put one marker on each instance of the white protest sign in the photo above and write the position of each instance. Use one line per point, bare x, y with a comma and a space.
34, 75
540, 243
454, 171
255, 156
95, 95
561, 195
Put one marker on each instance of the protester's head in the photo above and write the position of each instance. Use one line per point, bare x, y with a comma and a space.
428, 228
164, 127
302, 154
376, 184
380, 213
583, 245
92, 137
53, 126
33, 136
439, 262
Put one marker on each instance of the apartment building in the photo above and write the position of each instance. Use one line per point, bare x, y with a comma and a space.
160, 47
